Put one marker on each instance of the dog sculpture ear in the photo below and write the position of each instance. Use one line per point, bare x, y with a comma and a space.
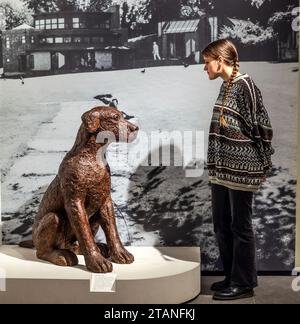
91, 120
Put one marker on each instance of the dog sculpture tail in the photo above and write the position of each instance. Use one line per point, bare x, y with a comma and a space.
27, 244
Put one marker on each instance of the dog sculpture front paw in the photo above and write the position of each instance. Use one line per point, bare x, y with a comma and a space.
98, 264
121, 256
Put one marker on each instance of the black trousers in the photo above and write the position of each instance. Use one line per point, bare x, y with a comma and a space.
232, 218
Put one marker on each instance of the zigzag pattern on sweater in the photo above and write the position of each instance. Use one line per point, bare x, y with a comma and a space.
239, 155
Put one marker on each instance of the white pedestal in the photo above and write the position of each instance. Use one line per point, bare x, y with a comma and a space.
158, 275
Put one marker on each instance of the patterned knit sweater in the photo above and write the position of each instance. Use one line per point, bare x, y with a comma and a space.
239, 155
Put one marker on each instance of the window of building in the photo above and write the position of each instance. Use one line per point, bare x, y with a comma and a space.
23, 39
37, 24
42, 24
82, 24
31, 62
32, 40
67, 39
77, 39
54, 24
7, 42
61, 23
104, 24
75, 22
49, 40
97, 40
95, 25
48, 23
58, 40
86, 40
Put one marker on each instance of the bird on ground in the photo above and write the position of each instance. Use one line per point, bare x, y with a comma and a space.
113, 103
104, 97
143, 71
22, 79
107, 100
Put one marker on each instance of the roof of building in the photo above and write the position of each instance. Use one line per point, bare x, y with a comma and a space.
23, 26
117, 47
139, 38
237, 21
71, 13
180, 26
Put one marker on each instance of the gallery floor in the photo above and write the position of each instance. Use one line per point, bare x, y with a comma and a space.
271, 290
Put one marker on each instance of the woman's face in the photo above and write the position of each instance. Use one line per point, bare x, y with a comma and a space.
212, 67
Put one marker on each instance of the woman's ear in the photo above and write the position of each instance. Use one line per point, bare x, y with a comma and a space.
220, 62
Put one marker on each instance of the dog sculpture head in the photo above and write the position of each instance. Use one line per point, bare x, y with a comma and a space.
110, 123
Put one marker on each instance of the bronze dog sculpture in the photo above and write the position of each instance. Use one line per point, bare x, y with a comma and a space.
78, 200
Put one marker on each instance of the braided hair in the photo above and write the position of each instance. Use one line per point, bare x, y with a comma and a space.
229, 85
228, 51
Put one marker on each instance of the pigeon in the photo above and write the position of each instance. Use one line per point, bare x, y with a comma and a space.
104, 96
186, 65
104, 100
126, 116
113, 103
143, 71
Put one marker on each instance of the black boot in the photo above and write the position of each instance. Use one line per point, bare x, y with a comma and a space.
220, 285
233, 293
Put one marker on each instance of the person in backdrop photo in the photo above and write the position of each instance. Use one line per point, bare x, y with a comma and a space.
155, 52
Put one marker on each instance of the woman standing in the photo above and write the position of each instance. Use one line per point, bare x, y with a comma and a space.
239, 158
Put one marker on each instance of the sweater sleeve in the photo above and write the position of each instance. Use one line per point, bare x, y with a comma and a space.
258, 122
262, 130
